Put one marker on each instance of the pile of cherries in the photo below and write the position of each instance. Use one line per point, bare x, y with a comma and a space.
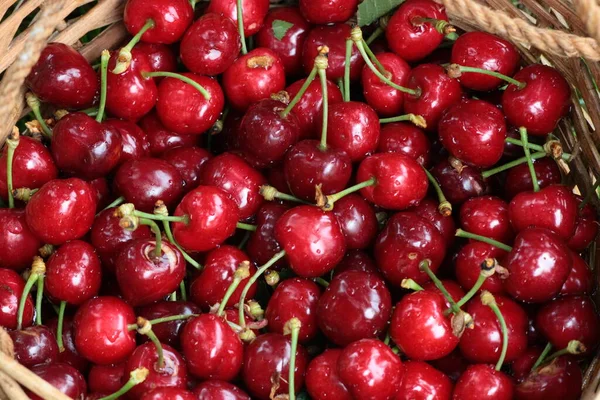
307, 213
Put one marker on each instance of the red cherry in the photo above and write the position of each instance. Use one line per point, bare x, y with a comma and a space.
356, 305
190, 162
262, 246
34, 345
134, 141
100, 330
254, 12
468, 266
357, 260
370, 370
429, 210
456, 292
168, 332
63, 377
422, 381
405, 138
384, 99
518, 179
212, 390
106, 378
69, 355
212, 349
210, 45
453, 365
459, 182
63, 77
318, 12
586, 227
19, 244
580, 279
322, 379
406, 240
538, 106
521, 367
313, 240
11, 291
481, 381
171, 18
487, 216
358, 221
253, 77
101, 192
170, 393
561, 379
160, 57
161, 139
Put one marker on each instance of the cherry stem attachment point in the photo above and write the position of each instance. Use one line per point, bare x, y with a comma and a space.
537, 148
444, 207
117, 202
487, 299
442, 26
298, 96
241, 273
574, 347
347, 65
136, 376
270, 194
38, 268
410, 284
128, 209
177, 317
157, 234
103, 77
183, 78
514, 163
534, 180
292, 327
11, 145
542, 356
59, 326
240, 22
455, 71
425, 267
488, 268
468, 235
144, 327
417, 120
124, 56
246, 227
321, 64
39, 296
327, 202
34, 103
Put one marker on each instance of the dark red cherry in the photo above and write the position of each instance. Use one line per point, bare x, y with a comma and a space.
62, 210
253, 77
313, 240
171, 393
63, 77
406, 240
183, 109
11, 291
160, 56
453, 365
358, 221
168, 332
100, 330
357, 260
370, 370
327, 12
69, 355
106, 378
420, 328
134, 141
468, 266
561, 379
400, 181
483, 382
210, 285
518, 179
214, 390
288, 45
422, 381
34, 345
521, 367
266, 365
322, 379
487, 216
212, 349
210, 45
436, 92
384, 99
353, 127
538, 266
73, 273
254, 12
570, 318
580, 279
262, 245
102, 193
538, 106
238, 179
356, 305
19, 245
334, 37
429, 209
63, 377
294, 298
586, 227
405, 138
190, 162
145, 181
162, 139
459, 182
32, 166
453, 288
212, 219
486, 51
171, 18
306, 165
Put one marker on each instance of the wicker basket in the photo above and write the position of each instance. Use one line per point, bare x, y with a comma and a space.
550, 31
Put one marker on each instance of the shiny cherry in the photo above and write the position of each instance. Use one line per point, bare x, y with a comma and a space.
422, 381
483, 382
518, 179
468, 266
487, 216
63, 377
254, 12
327, 12
405, 138
521, 367
580, 279
262, 245
429, 209
171, 18
322, 378
134, 141
161, 57
190, 162
358, 221
162, 139
168, 332
106, 378
561, 379
171, 393
459, 182
34, 345
384, 99
586, 227
213, 389
356, 260
11, 291
69, 355
19, 244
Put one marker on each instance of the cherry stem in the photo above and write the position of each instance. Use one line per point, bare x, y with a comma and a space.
124, 56
157, 233
468, 235
574, 347
298, 96
246, 227
183, 291
33, 278
536, 147
240, 21
117, 202
292, 327
410, 284
327, 202
534, 180
376, 33
514, 163
244, 240
321, 282
185, 219
373, 57
136, 376
39, 296
92, 111
325, 104
542, 356
270, 194
173, 296
175, 75
488, 299
444, 208
424, 266
347, 63
177, 317
251, 282
171, 239
103, 77
241, 273
11, 142
144, 327
417, 120
487, 269
455, 70
59, 326
34, 103
440, 25
340, 85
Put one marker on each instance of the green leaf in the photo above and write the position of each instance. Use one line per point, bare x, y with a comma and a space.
371, 10
280, 27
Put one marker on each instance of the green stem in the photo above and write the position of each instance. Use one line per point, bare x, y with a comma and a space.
244, 240
240, 21
183, 291
92, 111
270, 194
444, 207
11, 142
325, 108
103, 77
535, 147
183, 78
294, 327
424, 266
136, 376
298, 96
542, 356
410, 284
488, 299
373, 57
534, 180
246, 227
480, 280
376, 33
347, 64
341, 85
28, 285
574, 347
514, 163
468, 235
186, 256
124, 56
138, 36
117, 202
38, 300
185, 219
173, 296
418, 120
157, 233
321, 282
159, 349
178, 317
332, 198
59, 326
240, 274
34, 103
462, 68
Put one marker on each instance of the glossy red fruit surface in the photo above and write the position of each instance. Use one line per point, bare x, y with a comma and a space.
561, 379
468, 266
213, 389
518, 179
580, 279
254, 12
482, 381
384, 99
358, 221
69, 355
262, 245
327, 12
63, 377
162, 139
168, 332
161, 57
19, 244
586, 227
487, 216
459, 182
422, 381
190, 162
34, 345
105, 378
10, 295
171, 393
134, 141
322, 378
171, 18
429, 210
405, 138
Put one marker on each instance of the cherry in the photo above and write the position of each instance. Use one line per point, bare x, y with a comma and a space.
183, 109
84, 147
518, 179
19, 244
105, 378
266, 366
358, 221
523, 365
436, 91
586, 227
406, 240
422, 381
210, 45
486, 51
317, 12
262, 245
62, 210
212, 349
459, 182
294, 298
161, 139
405, 138
253, 77
454, 290
238, 179
580, 279
189, 161
560, 379
212, 219
160, 57
482, 381
69, 355
254, 12
355, 305
356, 260
170, 19
312, 239
63, 377
168, 332
32, 166
334, 37
369, 369
538, 105
384, 99
100, 330
453, 365
322, 379
420, 328
145, 181
134, 141
34, 345
569, 318
429, 209
473, 131
63, 77
487, 216
468, 266
210, 390
171, 393
538, 266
